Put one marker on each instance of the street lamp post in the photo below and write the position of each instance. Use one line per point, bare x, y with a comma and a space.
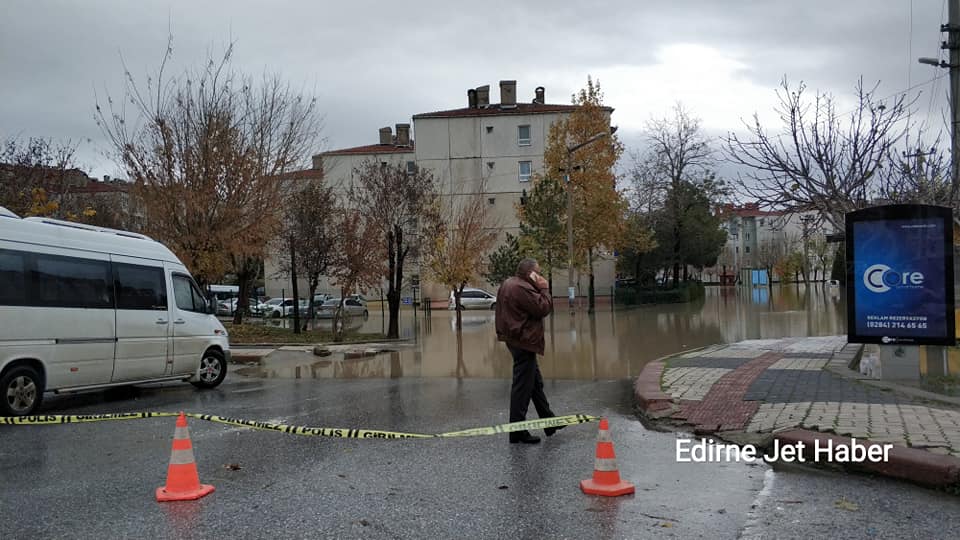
571, 289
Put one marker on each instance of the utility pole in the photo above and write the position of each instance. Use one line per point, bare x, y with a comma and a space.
952, 44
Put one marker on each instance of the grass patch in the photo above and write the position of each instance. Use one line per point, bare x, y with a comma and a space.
260, 333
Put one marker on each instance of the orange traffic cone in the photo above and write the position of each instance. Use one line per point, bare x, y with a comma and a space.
606, 478
183, 482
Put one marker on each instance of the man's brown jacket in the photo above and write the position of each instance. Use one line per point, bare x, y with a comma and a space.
521, 308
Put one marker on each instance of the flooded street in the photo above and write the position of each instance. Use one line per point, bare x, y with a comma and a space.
610, 344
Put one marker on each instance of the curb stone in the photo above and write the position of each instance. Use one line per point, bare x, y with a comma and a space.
910, 464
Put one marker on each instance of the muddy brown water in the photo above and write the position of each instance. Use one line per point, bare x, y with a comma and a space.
609, 344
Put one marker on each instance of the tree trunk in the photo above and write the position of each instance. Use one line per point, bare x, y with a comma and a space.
312, 282
457, 292
246, 274
395, 274
296, 293
338, 316
591, 294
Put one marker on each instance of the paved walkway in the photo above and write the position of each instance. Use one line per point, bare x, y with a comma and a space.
766, 386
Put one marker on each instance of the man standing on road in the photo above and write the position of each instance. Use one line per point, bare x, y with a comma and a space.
522, 303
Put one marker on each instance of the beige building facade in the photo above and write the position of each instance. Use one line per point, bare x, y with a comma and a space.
498, 146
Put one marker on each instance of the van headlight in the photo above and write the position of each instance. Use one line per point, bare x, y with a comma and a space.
219, 332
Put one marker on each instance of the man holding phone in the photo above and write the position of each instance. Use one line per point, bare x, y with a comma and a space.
523, 301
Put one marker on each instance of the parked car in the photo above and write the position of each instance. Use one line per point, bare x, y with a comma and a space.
474, 299
353, 306
229, 306
84, 307
281, 307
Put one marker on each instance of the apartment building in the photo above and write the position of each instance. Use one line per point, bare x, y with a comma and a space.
338, 168
498, 146
755, 236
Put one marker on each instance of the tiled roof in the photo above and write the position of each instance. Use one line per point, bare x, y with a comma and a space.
494, 110
102, 187
371, 149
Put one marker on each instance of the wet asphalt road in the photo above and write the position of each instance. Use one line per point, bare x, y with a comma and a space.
98, 480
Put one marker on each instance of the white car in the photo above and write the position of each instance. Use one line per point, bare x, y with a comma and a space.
281, 307
84, 307
474, 299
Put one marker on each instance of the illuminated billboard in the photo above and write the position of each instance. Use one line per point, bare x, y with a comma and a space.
900, 275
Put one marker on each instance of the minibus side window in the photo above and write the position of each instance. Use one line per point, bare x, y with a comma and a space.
70, 282
13, 291
139, 287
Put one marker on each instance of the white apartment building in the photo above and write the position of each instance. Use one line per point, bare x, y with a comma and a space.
499, 144
752, 232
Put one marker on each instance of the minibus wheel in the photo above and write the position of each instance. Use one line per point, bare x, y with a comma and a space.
213, 368
21, 391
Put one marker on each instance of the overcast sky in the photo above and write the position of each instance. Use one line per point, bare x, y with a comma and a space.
373, 64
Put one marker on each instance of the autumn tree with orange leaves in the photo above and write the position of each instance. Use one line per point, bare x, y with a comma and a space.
459, 233
599, 208
204, 149
357, 261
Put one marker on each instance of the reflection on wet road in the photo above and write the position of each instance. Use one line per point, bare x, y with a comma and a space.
610, 344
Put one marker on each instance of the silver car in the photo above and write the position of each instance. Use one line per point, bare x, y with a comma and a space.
474, 299
353, 306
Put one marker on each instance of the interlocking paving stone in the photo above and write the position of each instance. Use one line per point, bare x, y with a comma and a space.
708, 362
787, 385
691, 382
810, 364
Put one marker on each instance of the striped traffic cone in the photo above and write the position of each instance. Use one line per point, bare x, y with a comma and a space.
606, 478
183, 481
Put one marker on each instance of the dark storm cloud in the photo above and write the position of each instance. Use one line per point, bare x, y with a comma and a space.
376, 63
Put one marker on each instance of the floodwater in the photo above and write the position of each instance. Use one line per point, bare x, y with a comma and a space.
609, 344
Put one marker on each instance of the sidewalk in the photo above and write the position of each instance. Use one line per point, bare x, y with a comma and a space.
796, 389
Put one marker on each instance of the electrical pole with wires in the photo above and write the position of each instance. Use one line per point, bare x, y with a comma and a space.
952, 44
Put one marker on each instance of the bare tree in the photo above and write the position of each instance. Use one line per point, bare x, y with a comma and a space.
917, 175
396, 200
36, 174
821, 159
204, 150
458, 235
679, 155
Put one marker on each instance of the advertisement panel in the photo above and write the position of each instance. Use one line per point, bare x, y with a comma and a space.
900, 275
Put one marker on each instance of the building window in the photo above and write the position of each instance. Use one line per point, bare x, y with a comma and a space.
411, 167
761, 222
523, 135
525, 170
748, 236
489, 129
747, 249
492, 200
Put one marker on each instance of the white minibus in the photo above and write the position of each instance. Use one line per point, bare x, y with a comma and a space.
84, 307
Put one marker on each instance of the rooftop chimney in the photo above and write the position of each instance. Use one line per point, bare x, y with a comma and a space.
540, 95
386, 135
472, 98
508, 94
483, 96
403, 134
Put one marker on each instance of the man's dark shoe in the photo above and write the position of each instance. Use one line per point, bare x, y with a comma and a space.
523, 437
549, 431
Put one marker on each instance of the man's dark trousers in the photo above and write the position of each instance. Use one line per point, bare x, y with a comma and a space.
527, 385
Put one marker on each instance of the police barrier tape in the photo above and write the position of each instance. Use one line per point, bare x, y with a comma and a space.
343, 433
